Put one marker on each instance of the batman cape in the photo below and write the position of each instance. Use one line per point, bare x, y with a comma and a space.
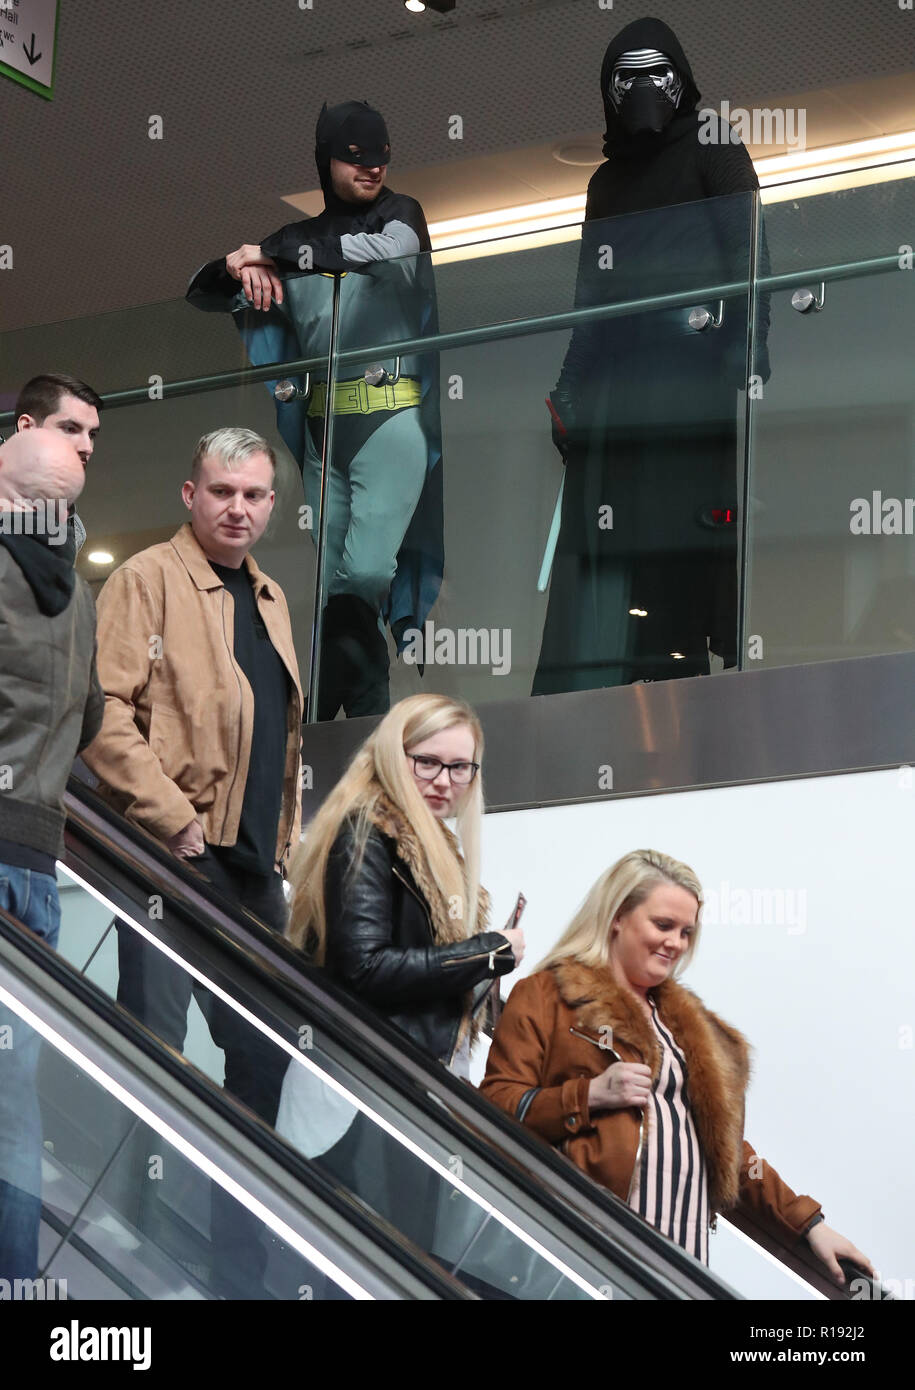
650, 405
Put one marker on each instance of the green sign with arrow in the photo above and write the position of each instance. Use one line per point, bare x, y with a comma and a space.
28, 40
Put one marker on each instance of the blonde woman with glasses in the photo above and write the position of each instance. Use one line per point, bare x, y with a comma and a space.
389, 902
385, 897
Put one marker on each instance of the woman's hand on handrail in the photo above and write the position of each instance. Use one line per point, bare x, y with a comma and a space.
828, 1245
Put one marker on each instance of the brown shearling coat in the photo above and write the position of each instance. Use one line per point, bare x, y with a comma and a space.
538, 1048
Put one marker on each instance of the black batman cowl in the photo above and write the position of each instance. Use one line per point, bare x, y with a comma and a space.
349, 123
647, 33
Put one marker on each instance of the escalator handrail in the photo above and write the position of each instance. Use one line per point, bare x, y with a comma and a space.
392, 1054
174, 1077
594, 1215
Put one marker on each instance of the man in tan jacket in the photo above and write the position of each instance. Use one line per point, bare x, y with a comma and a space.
200, 742
200, 745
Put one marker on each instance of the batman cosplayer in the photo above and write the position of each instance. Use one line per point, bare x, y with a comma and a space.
645, 409
384, 553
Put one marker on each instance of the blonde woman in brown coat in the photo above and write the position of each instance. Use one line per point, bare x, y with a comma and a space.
601, 1053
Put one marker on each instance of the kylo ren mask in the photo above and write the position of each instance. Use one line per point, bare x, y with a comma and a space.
645, 89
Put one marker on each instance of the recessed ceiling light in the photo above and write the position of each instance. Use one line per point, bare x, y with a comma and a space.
100, 557
583, 153
678, 656
416, 6
638, 612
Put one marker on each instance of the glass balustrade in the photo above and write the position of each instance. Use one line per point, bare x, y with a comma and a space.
830, 556
733, 379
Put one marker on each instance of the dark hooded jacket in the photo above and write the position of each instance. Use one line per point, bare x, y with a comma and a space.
650, 405
649, 171
51, 703
681, 205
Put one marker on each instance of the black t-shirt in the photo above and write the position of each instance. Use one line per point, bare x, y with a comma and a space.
255, 847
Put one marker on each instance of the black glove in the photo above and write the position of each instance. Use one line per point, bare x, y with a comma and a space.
563, 418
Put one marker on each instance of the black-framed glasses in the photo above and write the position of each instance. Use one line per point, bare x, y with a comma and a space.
427, 769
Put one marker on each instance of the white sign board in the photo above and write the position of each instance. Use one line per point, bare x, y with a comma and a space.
28, 30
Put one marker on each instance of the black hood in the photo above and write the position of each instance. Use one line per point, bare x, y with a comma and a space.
647, 33
349, 123
48, 570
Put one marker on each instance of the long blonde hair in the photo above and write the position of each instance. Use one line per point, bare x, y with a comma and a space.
623, 886
377, 769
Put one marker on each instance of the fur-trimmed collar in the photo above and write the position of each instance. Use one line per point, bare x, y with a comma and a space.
717, 1057
392, 822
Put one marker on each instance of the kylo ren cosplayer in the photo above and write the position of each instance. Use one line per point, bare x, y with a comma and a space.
384, 494
645, 409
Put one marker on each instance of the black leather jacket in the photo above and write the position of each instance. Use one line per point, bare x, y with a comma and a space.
381, 945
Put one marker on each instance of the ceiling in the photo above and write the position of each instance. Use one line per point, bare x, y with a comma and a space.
100, 217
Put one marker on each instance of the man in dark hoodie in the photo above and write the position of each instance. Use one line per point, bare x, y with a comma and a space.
384, 495
644, 580
51, 706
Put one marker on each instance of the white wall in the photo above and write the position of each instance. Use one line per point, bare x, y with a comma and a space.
825, 996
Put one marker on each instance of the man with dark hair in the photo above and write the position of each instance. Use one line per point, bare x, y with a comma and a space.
384, 487
59, 401
50, 707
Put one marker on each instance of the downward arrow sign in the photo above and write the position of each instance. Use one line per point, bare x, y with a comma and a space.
30, 51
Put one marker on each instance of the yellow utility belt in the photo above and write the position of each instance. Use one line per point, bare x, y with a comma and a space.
358, 398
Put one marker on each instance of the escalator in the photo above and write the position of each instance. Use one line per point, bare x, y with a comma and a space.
386, 1177
121, 1115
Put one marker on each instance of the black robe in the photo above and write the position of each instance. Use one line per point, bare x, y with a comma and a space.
655, 406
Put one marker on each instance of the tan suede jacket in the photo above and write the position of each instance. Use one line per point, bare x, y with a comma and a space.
565, 1025
179, 714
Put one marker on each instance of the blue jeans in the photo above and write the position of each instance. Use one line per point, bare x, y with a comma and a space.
32, 898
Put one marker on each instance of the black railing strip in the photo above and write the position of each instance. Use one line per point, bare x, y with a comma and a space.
495, 332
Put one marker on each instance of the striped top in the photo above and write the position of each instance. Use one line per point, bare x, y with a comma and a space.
670, 1184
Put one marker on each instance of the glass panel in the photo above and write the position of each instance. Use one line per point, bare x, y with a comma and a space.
747, 1268
832, 516
125, 349
643, 567
123, 1214
89, 938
